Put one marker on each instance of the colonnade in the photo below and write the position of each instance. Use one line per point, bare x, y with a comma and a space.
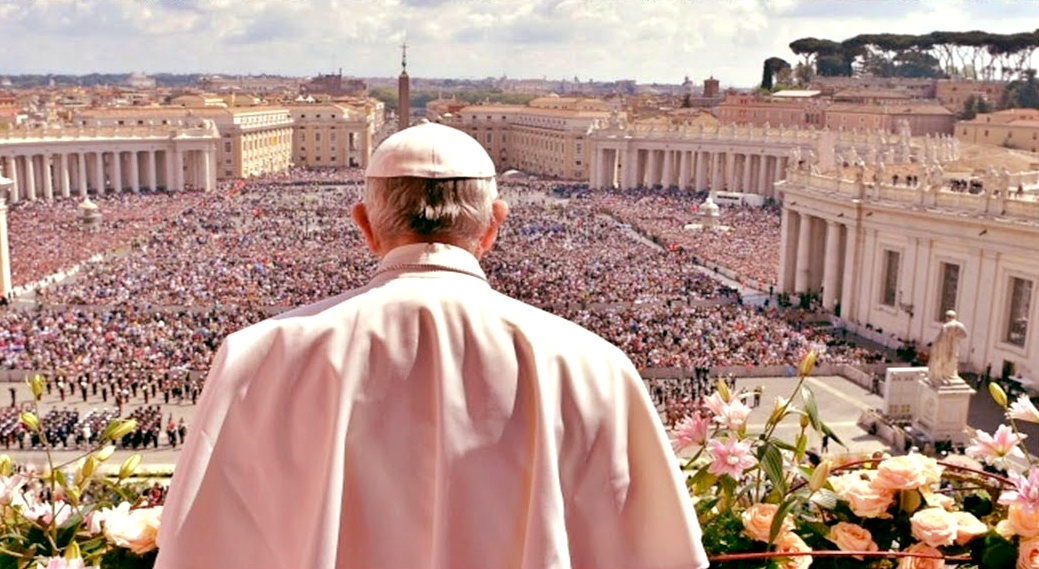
47, 174
816, 254
724, 169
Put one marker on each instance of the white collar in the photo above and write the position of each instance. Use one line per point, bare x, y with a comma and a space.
428, 257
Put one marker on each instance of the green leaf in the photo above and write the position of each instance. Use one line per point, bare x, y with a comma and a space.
802, 444
772, 462
995, 552
825, 499
833, 435
811, 408
777, 521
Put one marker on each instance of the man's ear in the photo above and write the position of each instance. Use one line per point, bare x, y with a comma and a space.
360, 215
499, 211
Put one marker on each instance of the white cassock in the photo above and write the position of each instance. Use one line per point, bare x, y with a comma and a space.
426, 421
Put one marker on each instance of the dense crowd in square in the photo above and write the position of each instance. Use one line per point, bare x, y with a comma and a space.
181, 271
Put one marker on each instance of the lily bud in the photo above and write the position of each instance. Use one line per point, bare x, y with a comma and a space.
779, 410
37, 385
104, 454
819, 476
72, 551
119, 429
30, 420
89, 465
129, 466
805, 421
723, 390
997, 393
807, 363
5, 465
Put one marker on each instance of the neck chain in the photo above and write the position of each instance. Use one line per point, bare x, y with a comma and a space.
426, 268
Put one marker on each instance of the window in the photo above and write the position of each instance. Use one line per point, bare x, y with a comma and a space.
227, 146
1017, 315
950, 275
332, 137
317, 137
889, 292
489, 137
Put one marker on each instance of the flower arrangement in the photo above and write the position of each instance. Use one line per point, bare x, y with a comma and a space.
766, 502
762, 501
70, 515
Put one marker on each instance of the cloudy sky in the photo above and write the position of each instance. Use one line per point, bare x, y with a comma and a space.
645, 40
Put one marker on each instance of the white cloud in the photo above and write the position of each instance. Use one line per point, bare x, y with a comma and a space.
647, 40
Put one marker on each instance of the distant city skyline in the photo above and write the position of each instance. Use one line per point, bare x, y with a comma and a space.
649, 41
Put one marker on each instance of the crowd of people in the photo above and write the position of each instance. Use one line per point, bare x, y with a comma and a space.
749, 245
46, 237
184, 270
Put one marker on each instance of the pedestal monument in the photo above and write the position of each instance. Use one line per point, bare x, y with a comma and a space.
943, 398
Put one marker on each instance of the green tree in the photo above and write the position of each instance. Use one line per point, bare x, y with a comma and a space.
1023, 93
770, 68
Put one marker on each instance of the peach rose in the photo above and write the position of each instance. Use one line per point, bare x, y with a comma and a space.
852, 537
968, 527
789, 542
943, 501
934, 526
864, 499
1020, 521
135, 530
934, 559
757, 521
1028, 553
907, 472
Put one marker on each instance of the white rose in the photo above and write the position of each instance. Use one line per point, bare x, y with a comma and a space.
135, 530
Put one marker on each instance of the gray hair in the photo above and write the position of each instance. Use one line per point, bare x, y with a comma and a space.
456, 210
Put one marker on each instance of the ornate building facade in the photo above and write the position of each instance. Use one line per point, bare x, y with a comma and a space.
892, 256
48, 163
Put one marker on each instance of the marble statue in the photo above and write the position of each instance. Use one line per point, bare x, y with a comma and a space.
944, 361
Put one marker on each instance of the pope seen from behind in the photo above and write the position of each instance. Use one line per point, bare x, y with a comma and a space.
425, 420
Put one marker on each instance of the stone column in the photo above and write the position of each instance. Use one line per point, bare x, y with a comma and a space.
82, 159
30, 178
99, 171
652, 168
594, 164
48, 177
745, 185
850, 276
630, 167
831, 264
713, 173
698, 169
168, 170
803, 257
730, 171
667, 178
178, 169
211, 169
66, 185
152, 175
787, 242
117, 171
12, 172
762, 171
683, 169
135, 172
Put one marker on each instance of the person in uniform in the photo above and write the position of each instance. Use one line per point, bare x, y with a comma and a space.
426, 420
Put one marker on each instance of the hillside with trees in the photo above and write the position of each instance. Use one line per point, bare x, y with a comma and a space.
937, 55
969, 55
